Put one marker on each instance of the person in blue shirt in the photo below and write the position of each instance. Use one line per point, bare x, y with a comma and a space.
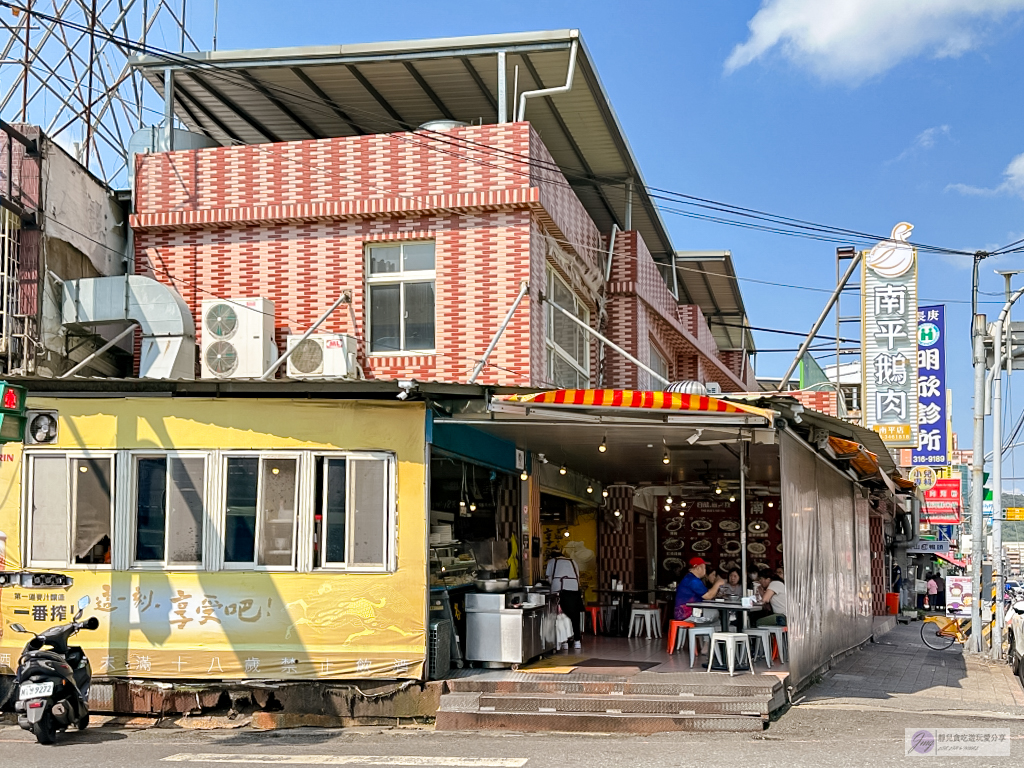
692, 588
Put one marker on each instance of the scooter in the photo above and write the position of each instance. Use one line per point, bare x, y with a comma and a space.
53, 679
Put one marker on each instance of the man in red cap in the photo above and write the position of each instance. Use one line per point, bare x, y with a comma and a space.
692, 588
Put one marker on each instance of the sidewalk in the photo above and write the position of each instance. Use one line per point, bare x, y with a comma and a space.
900, 673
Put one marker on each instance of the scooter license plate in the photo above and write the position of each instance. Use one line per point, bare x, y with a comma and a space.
34, 690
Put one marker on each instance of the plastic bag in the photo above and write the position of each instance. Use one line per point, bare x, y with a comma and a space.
563, 628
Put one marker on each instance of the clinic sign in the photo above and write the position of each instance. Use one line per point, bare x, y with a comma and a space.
932, 419
889, 336
943, 503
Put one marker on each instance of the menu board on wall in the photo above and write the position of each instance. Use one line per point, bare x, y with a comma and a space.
710, 528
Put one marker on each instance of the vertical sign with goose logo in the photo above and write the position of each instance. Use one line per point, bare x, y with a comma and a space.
889, 338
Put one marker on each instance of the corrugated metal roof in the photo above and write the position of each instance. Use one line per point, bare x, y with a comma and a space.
708, 279
291, 94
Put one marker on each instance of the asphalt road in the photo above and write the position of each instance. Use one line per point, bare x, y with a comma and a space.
805, 736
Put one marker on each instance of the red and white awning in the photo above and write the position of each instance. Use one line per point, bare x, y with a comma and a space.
639, 401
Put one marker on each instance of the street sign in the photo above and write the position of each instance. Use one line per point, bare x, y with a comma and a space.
923, 477
1015, 513
928, 547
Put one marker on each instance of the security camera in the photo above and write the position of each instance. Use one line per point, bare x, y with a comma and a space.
408, 386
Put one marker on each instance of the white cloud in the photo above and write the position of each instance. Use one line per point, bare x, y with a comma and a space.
924, 141
1013, 182
856, 39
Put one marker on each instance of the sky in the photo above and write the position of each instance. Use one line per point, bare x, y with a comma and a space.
858, 114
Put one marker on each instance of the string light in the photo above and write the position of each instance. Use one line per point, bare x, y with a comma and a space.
562, 470
771, 504
668, 507
604, 444
566, 534
732, 498
718, 491
590, 488
604, 492
524, 476
668, 499
665, 459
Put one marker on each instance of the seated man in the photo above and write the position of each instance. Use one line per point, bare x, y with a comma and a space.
692, 589
773, 595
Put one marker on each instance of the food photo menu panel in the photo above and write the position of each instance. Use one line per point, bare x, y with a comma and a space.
710, 528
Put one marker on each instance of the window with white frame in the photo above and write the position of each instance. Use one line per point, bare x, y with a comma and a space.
352, 512
70, 509
568, 344
170, 505
659, 364
260, 505
400, 283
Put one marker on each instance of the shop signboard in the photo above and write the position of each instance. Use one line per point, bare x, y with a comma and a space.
889, 333
932, 418
928, 547
958, 596
942, 502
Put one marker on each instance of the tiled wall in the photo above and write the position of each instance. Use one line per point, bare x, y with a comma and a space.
879, 584
615, 542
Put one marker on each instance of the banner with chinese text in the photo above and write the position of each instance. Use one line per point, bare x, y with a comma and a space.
889, 338
942, 502
932, 431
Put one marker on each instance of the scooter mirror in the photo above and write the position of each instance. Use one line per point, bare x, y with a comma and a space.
83, 603
19, 628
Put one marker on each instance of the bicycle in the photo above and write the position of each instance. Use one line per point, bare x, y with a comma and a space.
945, 632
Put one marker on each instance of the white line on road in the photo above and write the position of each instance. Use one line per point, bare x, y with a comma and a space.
403, 760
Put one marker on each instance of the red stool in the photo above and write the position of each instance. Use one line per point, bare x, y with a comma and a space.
673, 628
596, 618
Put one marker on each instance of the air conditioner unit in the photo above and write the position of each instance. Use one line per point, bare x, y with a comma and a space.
323, 356
238, 338
713, 388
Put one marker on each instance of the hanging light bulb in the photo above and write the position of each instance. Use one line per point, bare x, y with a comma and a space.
771, 504
562, 470
682, 503
604, 492
681, 513
472, 506
524, 476
462, 502
668, 499
566, 534
718, 491
665, 459
731, 497
604, 444
668, 507
590, 488
617, 513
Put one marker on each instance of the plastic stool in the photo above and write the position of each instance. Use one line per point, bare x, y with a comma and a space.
596, 616
706, 630
734, 643
649, 618
675, 637
763, 638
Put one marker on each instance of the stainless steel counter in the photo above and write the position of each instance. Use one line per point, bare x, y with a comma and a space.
510, 628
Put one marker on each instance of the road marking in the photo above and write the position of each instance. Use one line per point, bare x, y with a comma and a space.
411, 760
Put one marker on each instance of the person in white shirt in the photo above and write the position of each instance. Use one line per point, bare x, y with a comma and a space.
564, 578
773, 594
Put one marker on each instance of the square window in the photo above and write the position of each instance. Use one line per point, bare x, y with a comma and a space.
260, 511
401, 306
169, 509
352, 513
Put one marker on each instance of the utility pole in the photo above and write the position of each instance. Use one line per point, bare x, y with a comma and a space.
1001, 328
978, 331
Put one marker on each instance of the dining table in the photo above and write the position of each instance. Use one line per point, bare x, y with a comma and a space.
621, 601
726, 609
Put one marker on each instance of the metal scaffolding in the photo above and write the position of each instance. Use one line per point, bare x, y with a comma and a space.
65, 70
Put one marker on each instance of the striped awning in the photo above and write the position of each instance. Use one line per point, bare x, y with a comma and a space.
640, 400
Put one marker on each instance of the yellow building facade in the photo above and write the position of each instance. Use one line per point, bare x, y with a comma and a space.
223, 538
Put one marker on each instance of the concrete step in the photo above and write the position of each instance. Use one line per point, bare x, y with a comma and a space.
755, 686
747, 706
585, 722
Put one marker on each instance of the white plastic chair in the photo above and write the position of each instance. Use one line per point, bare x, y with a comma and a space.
736, 644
